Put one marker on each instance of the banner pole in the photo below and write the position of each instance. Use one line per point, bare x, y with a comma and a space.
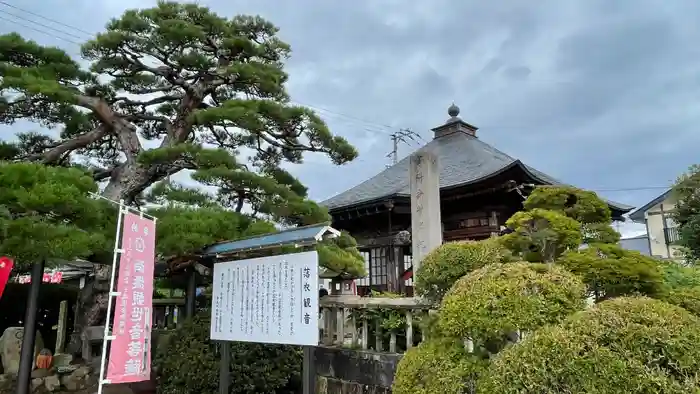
112, 294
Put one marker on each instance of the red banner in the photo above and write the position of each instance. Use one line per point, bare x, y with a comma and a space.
6, 265
130, 351
52, 277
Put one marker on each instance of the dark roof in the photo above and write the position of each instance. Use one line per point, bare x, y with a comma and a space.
463, 158
638, 214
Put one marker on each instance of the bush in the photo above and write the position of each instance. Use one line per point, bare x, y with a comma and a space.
540, 235
581, 205
687, 298
610, 271
635, 345
679, 276
441, 365
499, 299
187, 361
442, 267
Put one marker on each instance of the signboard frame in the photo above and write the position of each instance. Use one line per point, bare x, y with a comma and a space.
271, 299
263, 246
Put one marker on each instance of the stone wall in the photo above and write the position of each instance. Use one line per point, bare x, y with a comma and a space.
345, 371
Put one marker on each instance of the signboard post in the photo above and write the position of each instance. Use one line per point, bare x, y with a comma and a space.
130, 351
271, 299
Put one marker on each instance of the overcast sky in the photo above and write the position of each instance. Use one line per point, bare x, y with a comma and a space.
602, 94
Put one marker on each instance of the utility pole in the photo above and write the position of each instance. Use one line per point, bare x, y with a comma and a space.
403, 136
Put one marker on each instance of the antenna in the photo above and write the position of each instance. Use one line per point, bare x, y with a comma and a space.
404, 136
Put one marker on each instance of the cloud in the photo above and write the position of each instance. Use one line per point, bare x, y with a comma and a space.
599, 94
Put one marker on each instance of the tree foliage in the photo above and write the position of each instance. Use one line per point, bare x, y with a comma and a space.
442, 267
187, 361
200, 87
47, 213
617, 345
496, 300
610, 271
581, 205
185, 230
542, 235
442, 363
634, 345
687, 212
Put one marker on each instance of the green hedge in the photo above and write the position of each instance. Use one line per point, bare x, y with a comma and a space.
438, 366
187, 362
498, 299
442, 267
625, 345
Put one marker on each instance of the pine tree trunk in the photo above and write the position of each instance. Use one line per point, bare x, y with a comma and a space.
125, 183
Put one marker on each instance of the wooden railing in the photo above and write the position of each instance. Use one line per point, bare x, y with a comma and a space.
369, 323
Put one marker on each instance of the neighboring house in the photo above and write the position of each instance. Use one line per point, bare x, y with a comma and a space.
640, 243
662, 231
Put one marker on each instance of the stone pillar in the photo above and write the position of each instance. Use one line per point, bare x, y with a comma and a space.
426, 223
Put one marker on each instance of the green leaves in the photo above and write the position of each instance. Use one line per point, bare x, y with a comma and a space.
340, 255
255, 368
687, 211
634, 345
446, 264
610, 271
498, 299
542, 235
442, 363
184, 76
184, 230
48, 213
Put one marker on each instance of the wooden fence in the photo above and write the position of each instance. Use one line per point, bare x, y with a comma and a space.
386, 325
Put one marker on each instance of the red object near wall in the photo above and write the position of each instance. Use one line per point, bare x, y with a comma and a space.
6, 265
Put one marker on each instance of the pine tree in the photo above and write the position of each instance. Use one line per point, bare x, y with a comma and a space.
207, 91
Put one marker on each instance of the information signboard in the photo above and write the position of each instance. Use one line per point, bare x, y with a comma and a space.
270, 299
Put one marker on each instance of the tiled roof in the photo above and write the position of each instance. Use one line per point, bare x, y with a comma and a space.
463, 159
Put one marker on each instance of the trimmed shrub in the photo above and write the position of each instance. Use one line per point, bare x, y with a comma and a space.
442, 267
499, 299
438, 366
611, 271
540, 235
679, 276
583, 206
187, 361
625, 345
687, 298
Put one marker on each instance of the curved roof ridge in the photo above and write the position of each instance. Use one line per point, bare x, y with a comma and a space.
463, 159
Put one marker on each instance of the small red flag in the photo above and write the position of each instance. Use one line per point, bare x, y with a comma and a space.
6, 264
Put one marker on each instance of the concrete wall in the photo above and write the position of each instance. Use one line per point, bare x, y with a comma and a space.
345, 371
639, 243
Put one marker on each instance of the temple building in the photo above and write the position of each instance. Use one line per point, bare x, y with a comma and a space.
480, 188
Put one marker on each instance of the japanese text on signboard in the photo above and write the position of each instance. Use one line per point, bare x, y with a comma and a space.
129, 357
269, 300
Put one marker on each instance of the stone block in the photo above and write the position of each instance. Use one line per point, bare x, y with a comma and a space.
52, 383
11, 348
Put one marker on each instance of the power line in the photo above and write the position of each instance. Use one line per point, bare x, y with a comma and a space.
42, 25
45, 18
38, 30
376, 127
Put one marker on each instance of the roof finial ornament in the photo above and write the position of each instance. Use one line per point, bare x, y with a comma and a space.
453, 111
